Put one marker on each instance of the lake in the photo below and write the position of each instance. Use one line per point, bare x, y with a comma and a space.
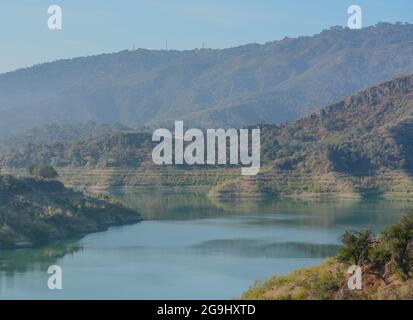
192, 247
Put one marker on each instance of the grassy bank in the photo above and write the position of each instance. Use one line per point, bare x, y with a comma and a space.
386, 261
328, 281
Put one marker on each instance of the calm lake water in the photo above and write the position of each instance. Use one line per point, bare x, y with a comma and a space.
191, 247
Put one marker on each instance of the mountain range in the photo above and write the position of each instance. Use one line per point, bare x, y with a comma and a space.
274, 82
362, 144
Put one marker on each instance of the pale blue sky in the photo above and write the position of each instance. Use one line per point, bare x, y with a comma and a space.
97, 26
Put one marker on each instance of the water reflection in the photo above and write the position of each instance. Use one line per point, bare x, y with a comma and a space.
256, 248
166, 204
24, 260
190, 242
193, 203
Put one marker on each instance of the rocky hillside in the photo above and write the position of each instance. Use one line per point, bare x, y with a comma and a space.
360, 145
34, 211
274, 82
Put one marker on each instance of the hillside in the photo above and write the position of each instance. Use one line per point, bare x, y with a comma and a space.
275, 82
115, 149
53, 133
34, 211
385, 261
360, 145
328, 281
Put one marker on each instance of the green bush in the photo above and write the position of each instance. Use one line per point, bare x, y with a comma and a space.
356, 247
394, 245
398, 239
43, 170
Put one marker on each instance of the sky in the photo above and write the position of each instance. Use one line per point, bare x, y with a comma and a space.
97, 26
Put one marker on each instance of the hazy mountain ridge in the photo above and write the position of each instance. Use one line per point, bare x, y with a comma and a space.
275, 82
361, 144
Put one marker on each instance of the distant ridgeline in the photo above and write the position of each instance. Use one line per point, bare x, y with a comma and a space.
361, 145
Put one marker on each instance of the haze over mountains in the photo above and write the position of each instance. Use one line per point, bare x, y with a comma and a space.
360, 145
275, 82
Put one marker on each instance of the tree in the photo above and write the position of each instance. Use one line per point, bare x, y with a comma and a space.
44, 171
356, 247
4, 216
399, 239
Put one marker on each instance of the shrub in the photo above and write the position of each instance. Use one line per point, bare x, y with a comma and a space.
43, 170
356, 247
398, 240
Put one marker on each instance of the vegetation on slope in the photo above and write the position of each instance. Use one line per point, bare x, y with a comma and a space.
35, 210
386, 261
361, 145
109, 150
53, 133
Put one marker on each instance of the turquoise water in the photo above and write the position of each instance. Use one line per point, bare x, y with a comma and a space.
191, 247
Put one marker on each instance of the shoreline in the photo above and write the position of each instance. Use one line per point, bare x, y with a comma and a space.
35, 211
226, 187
